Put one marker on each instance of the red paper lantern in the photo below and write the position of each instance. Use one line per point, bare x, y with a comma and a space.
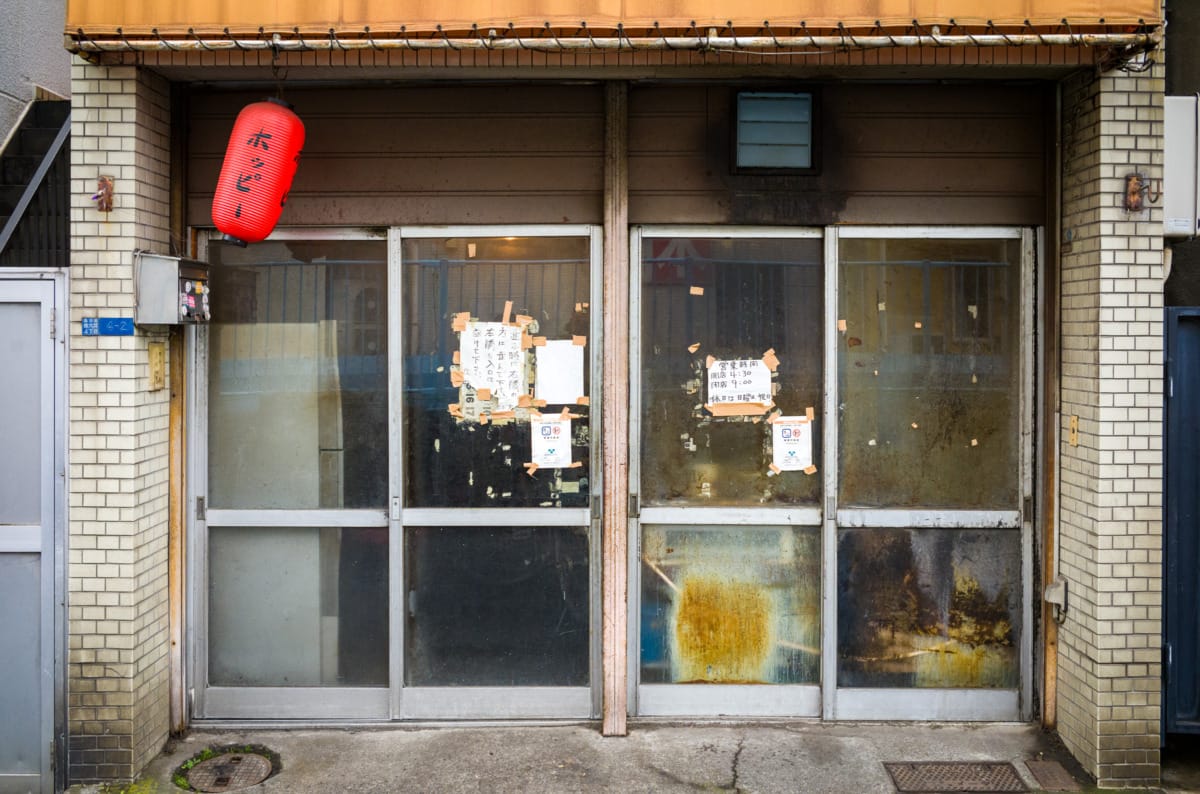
260, 163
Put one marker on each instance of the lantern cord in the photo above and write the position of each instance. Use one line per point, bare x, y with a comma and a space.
276, 74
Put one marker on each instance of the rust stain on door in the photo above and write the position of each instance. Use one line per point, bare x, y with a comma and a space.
723, 631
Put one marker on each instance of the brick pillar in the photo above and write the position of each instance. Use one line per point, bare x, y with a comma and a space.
1109, 666
118, 664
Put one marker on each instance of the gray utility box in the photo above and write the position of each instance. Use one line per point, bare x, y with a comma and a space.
1180, 189
170, 290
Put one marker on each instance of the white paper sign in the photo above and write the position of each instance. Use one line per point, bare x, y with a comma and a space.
559, 372
791, 443
491, 358
744, 380
551, 442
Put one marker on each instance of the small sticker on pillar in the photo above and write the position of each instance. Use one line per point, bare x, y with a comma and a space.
694, 290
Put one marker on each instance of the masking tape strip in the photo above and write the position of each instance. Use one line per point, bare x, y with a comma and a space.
459, 323
526, 341
578, 308
524, 401
540, 403
694, 290
455, 410
456, 378
579, 341
810, 413
582, 401
456, 358
539, 341
842, 326
524, 320
708, 362
811, 470
577, 464
530, 468
507, 312
693, 348
775, 468
738, 409
483, 394
771, 360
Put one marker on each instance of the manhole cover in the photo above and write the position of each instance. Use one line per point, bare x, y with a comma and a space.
953, 776
1052, 776
229, 772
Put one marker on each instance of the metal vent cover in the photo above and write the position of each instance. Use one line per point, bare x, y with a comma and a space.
229, 772
941, 777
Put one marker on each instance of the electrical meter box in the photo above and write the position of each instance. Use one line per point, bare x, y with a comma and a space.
171, 291
1181, 191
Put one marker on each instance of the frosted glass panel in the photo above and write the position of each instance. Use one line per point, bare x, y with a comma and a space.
297, 606
298, 375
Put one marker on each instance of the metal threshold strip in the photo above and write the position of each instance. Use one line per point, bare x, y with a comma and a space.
845, 40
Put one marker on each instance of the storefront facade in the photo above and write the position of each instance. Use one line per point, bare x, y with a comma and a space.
601, 379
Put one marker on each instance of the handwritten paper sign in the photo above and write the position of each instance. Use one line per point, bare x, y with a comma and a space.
492, 359
791, 443
551, 442
740, 384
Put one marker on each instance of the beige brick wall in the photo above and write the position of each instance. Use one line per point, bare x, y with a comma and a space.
117, 687
1109, 667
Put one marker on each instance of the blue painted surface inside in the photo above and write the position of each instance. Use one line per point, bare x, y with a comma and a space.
1181, 588
107, 326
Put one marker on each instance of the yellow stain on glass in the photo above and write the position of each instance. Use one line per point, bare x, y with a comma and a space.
722, 631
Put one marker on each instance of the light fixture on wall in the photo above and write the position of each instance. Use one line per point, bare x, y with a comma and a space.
1138, 192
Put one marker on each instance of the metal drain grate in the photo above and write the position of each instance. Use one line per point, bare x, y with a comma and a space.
1053, 776
229, 772
942, 777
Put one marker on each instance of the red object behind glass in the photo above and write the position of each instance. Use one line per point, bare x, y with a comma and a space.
260, 163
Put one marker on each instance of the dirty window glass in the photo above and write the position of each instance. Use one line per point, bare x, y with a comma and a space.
711, 307
496, 337
730, 605
298, 375
497, 606
297, 606
929, 608
929, 372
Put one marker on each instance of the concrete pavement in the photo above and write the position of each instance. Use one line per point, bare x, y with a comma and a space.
810, 757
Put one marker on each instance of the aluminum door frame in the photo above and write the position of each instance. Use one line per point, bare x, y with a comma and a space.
958, 704
227, 703
48, 287
834, 703
488, 702
700, 700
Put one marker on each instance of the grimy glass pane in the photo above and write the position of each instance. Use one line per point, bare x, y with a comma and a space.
730, 605
929, 608
497, 606
297, 606
298, 375
467, 447
706, 301
929, 373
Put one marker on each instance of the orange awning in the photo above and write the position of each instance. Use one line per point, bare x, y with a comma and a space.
170, 18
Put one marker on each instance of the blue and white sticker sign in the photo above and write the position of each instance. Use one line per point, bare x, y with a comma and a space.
551, 442
791, 443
